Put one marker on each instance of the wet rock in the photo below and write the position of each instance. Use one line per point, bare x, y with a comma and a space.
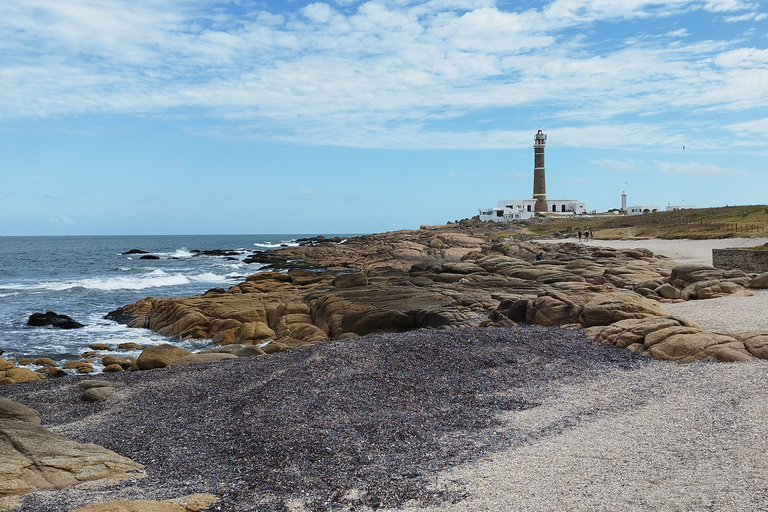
52, 372
130, 346
135, 251
123, 362
45, 361
54, 320
79, 366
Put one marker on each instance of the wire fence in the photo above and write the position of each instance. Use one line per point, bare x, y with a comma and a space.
709, 225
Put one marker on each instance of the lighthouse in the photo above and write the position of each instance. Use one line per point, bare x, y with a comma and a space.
539, 183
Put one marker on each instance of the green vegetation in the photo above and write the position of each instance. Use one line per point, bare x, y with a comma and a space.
704, 223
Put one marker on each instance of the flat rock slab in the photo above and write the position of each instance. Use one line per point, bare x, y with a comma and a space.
35, 459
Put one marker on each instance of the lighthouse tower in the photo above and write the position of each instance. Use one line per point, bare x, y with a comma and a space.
539, 183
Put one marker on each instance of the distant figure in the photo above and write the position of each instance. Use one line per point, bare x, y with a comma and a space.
592, 234
579, 235
539, 256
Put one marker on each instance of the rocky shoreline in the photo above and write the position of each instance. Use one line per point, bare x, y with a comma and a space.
415, 334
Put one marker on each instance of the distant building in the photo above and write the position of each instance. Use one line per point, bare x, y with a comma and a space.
640, 210
509, 210
683, 206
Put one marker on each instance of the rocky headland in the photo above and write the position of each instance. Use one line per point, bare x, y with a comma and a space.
445, 278
450, 314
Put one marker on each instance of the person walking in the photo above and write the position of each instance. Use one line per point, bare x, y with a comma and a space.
579, 235
592, 235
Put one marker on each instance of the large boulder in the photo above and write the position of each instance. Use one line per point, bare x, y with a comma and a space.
160, 356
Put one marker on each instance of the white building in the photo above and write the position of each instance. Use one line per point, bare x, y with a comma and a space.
683, 206
640, 210
509, 210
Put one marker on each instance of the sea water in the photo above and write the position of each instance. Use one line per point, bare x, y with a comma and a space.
85, 277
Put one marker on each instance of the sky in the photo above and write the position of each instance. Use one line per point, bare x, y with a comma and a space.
238, 117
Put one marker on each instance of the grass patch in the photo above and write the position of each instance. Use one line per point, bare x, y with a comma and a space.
704, 223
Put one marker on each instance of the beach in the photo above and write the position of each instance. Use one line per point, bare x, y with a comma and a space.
514, 418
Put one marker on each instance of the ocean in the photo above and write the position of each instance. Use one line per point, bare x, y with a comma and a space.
85, 277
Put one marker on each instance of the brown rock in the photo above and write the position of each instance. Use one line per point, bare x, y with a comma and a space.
114, 368
610, 307
760, 281
130, 346
350, 281
35, 459
24, 361
668, 291
692, 346
159, 356
99, 346
22, 375
98, 394
755, 342
52, 372
123, 362
10, 410
79, 366
5, 364
45, 361
191, 503
201, 358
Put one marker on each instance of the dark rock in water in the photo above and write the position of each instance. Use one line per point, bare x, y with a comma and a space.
136, 251
149, 257
214, 291
216, 252
53, 319
120, 316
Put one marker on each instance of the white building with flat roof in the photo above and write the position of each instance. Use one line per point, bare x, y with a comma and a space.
682, 206
520, 209
640, 210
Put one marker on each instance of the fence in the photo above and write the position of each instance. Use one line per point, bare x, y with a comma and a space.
725, 227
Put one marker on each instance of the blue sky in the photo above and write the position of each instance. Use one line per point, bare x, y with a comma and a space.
195, 117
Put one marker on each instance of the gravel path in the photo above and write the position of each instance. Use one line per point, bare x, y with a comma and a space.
698, 444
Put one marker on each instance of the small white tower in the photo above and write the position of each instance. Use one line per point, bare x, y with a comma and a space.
623, 201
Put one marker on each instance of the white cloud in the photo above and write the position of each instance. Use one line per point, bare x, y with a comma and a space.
375, 74
696, 169
750, 16
757, 127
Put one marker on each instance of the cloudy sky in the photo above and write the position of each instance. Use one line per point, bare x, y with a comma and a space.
190, 116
